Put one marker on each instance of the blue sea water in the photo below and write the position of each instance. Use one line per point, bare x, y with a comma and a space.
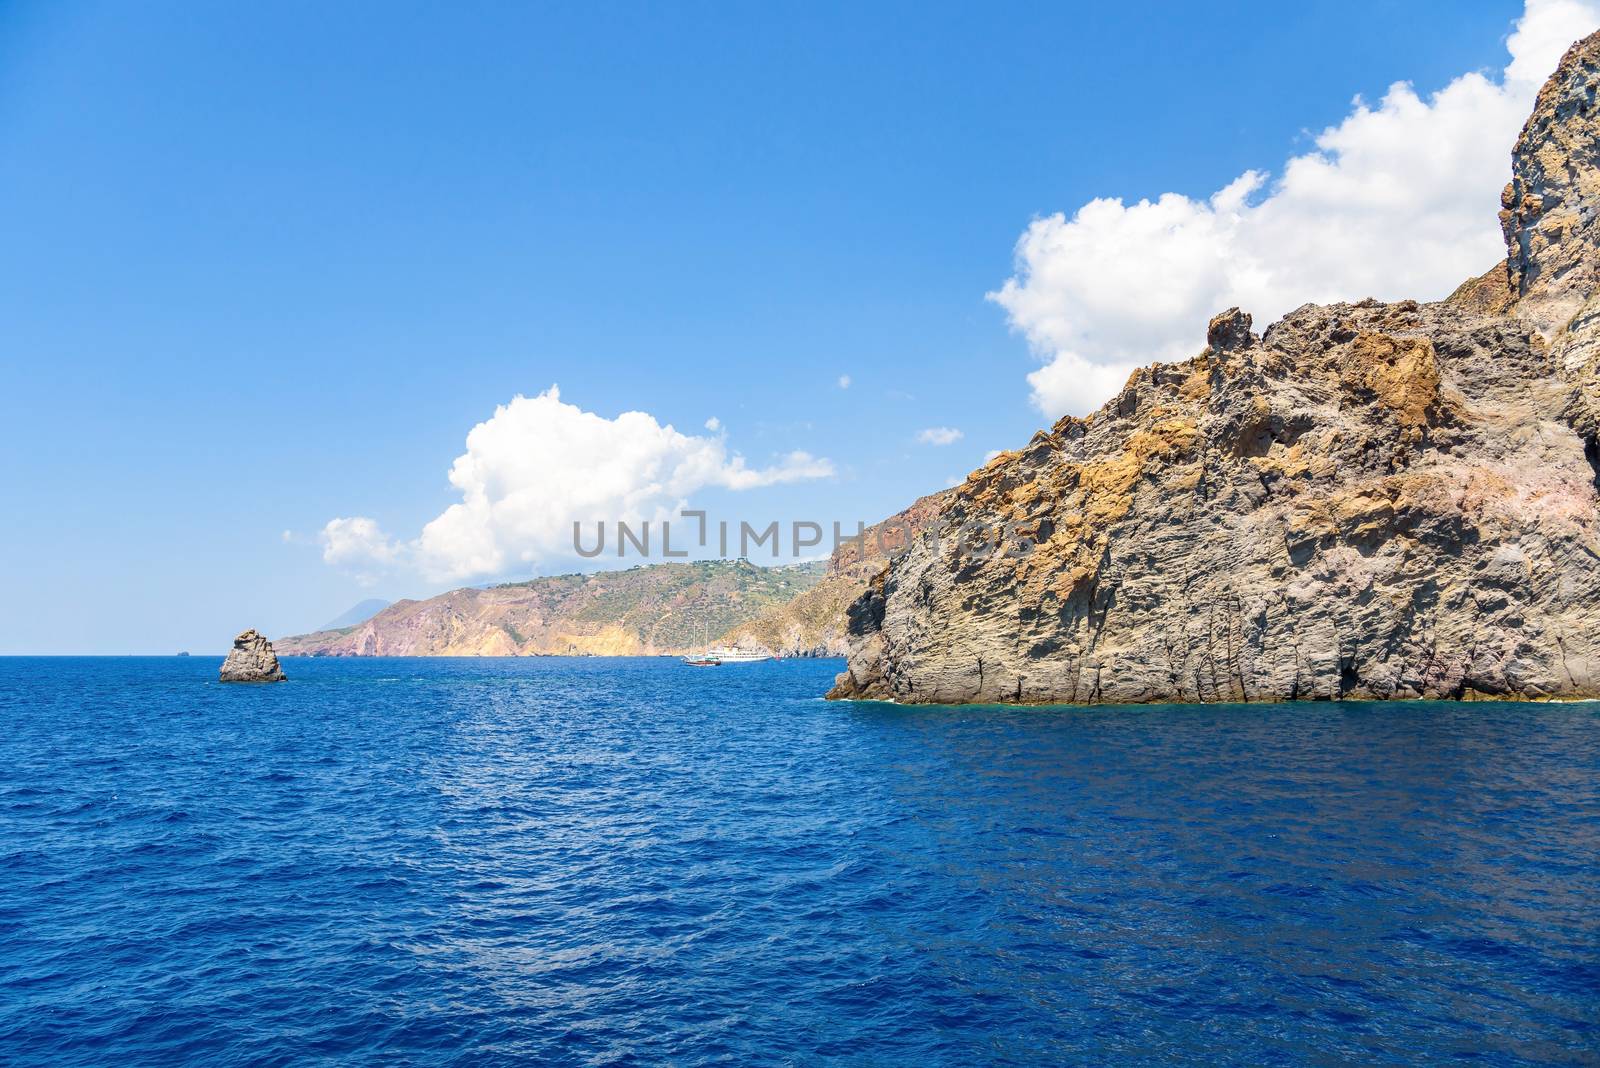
443, 862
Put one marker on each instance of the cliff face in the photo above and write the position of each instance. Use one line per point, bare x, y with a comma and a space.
1549, 215
663, 608
1367, 500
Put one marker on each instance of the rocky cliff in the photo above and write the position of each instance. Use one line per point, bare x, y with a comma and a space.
647, 610
1366, 500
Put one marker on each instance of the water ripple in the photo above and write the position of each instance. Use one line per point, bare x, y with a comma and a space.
624, 862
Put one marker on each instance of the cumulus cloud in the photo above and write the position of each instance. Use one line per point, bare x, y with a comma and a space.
1397, 200
356, 544
356, 540
939, 435
537, 466
713, 424
844, 381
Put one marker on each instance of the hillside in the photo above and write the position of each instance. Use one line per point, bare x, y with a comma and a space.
647, 610
813, 623
1366, 500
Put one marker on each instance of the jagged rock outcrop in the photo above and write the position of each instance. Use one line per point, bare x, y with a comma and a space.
252, 660
1367, 500
1551, 206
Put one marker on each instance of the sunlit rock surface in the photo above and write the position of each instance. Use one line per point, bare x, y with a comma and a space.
1365, 500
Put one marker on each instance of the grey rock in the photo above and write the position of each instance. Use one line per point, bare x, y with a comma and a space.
1551, 216
1229, 331
1368, 500
252, 660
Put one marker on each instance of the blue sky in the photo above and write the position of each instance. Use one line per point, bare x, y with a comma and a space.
266, 265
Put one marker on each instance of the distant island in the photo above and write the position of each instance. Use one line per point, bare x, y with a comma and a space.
646, 610
655, 609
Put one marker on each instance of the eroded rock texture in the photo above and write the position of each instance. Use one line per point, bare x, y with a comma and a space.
251, 660
1366, 500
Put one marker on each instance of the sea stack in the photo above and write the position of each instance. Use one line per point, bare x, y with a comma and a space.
252, 660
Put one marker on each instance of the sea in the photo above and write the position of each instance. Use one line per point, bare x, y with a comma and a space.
628, 861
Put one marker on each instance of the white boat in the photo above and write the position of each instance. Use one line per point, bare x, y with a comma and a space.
733, 655
725, 654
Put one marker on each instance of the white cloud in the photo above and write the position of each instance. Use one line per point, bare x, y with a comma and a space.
939, 435
356, 544
1397, 200
990, 455
356, 540
538, 465
844, 381
713, 424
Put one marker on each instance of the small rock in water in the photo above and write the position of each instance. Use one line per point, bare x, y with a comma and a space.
252, 660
